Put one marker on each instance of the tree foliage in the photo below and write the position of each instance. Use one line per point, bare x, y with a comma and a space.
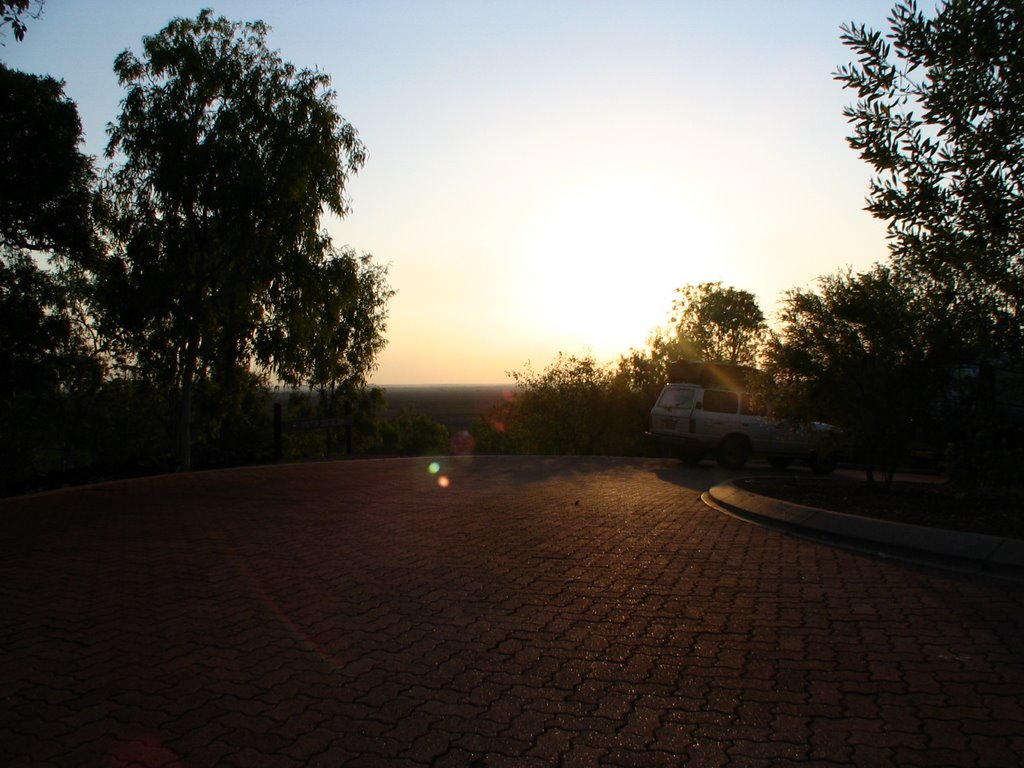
13, 12
335, 315
558, 409
45, 212
708, 322
47, 234
575, 406
938, 117
48, 183
852, 353
41, 349
715, 323
227, 156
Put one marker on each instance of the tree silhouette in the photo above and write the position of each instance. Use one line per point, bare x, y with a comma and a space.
334, 317
853, 353
46, 207
938, 118
226, 156
46, 217
13, 12
47, 198
716, 323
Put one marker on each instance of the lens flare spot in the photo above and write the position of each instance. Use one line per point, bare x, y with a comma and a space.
443, 481
434, 468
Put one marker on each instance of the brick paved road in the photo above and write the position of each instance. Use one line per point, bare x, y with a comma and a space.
533, 612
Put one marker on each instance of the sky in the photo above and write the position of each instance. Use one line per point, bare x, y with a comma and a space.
543, 174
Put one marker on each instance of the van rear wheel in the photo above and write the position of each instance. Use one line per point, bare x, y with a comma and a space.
733, 452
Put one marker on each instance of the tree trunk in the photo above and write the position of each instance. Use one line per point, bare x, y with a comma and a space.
185, 408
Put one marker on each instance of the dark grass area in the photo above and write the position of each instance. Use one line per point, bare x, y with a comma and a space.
938, 505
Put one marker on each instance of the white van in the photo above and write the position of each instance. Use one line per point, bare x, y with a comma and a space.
713, 414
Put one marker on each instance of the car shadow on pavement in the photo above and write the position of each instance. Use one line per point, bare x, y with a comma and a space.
707, 474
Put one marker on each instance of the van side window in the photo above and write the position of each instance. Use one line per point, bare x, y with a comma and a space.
717, 401
676, 398
752, 406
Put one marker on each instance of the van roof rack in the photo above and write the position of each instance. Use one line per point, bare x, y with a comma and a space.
720, 375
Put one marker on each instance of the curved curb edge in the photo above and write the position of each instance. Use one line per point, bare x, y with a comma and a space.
983, 550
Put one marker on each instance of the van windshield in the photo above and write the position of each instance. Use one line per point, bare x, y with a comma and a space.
676, 398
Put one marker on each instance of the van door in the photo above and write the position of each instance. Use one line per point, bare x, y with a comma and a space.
716, 415
791, 438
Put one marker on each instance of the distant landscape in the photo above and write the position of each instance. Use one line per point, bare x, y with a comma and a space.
456, 407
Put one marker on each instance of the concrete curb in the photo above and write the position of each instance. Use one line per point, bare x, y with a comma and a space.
983, 551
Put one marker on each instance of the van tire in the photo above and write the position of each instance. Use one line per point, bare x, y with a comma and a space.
733, 452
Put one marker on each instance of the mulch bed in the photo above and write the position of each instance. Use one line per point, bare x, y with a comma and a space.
999, 513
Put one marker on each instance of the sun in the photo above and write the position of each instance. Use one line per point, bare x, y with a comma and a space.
602, 258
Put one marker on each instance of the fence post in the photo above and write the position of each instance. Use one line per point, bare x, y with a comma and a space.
277, 432
348, 428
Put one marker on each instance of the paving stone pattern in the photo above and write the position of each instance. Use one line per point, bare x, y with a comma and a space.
533, 612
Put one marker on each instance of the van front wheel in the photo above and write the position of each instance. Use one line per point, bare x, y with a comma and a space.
733, 452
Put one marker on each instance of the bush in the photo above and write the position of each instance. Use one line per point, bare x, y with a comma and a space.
576, 406
409, 433
412, 433
232, 422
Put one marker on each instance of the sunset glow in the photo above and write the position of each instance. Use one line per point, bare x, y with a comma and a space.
601, 258
542, 176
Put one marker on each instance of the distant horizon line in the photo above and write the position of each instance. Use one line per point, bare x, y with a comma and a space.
492, 385
398, 386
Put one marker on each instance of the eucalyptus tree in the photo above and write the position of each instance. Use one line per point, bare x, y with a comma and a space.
332, 328
224, 159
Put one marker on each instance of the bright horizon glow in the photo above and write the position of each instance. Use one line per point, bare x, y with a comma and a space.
596, 255
542, 176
